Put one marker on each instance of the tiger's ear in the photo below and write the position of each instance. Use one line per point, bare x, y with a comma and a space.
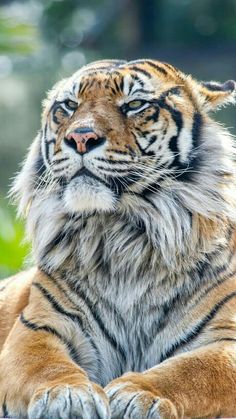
214, 94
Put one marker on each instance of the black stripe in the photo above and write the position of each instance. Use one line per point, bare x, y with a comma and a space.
60, 160
4, 409
77, 319
213, 286
214, 87
171, 67
92, 307
172, 91
112, 161
57, 106
47, 144
58, 285
124, 153
82, 89
199, 328
66, 236
149, 413
151, 63
59, 169
87, 172
136, 78
152, 140
81, 86
142, 150
157, 67
72, 302
128, 405
141, 70
66, 313
112, 89
114, 170
74, 88
57, 306
173, 144
182, 294
35, 327
122, 84
131, 87
144, 198
194, 159
39, 166
154, 117
53, 141
63, 236
152, 187
151, 92
76, 289
196, 129
116, 85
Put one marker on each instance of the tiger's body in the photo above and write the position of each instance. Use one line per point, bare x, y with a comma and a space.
129, 190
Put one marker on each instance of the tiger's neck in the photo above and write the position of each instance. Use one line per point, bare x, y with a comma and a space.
129, 247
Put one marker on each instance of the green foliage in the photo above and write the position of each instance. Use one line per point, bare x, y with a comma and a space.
12, 250
20, 38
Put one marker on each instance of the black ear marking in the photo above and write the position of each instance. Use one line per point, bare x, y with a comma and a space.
228, 86
214, 94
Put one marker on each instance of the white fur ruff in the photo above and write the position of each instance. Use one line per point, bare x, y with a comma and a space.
84, 194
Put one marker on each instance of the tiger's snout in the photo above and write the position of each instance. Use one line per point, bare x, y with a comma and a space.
83, 140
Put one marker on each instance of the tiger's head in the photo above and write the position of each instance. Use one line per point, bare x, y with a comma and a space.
119, 130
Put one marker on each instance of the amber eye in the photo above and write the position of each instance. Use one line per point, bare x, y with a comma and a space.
70, 104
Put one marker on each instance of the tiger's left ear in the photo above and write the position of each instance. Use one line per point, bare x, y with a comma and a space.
214, 94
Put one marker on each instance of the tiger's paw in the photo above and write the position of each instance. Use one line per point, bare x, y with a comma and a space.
87, 401
130, 398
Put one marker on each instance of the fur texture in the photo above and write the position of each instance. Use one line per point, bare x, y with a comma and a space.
134, 242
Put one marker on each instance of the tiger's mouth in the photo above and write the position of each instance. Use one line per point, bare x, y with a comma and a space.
84, 172
89, 177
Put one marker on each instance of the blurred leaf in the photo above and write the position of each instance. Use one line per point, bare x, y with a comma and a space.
12, 251
20, 38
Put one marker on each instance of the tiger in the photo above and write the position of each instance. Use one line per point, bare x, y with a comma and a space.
128, 196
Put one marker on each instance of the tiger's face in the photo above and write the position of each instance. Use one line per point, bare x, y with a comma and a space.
117, 128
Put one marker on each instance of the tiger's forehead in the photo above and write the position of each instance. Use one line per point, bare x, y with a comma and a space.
121, 79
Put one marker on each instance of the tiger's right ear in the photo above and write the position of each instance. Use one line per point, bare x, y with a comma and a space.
214, 95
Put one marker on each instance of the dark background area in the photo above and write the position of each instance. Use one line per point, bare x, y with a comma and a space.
43, 41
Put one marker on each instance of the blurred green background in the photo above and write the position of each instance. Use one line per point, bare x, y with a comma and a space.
42, 41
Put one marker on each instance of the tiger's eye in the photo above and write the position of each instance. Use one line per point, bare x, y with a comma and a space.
134, 104
70, 104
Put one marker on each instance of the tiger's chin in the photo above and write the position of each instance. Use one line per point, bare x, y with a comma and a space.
85, 194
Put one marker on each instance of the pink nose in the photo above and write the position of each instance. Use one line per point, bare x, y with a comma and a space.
83, 139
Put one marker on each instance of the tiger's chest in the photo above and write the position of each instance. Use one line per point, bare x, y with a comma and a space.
122, 340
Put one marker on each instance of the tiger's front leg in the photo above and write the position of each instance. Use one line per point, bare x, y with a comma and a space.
38, 377
199, 384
